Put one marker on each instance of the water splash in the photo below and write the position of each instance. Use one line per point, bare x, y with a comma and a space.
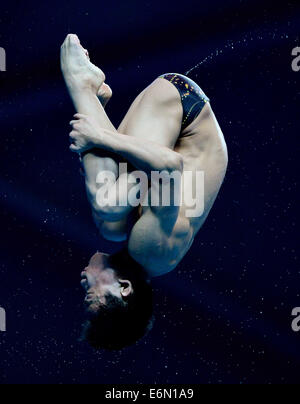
232, 45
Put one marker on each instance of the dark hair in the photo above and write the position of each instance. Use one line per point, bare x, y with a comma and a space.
120, 323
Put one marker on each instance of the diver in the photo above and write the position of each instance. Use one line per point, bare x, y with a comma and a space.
170, 128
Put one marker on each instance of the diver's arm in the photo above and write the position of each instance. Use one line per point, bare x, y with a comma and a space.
141, 153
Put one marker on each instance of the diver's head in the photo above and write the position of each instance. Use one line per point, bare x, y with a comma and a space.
118, 299
101, 281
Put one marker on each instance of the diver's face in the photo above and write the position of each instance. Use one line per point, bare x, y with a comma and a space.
98, 279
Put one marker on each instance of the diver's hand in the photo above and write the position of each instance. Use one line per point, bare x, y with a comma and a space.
85, 135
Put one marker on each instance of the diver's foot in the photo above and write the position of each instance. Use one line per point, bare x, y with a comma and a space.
104, 94
79, 73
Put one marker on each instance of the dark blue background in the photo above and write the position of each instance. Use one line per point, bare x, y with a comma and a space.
224, 316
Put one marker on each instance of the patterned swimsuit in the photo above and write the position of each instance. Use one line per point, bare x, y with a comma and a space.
192, 97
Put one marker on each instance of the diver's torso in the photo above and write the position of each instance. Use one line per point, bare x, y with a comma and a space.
203, 148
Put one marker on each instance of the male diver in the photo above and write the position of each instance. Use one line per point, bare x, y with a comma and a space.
170, 128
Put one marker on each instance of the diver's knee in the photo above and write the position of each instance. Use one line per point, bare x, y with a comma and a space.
101, 207
109, 212
114, 231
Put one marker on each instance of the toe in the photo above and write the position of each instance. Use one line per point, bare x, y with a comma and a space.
73, 39
87, 53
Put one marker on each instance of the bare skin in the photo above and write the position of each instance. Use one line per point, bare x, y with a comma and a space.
150, 139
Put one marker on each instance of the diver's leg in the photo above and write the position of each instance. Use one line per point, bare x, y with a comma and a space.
83, 80
90, 94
